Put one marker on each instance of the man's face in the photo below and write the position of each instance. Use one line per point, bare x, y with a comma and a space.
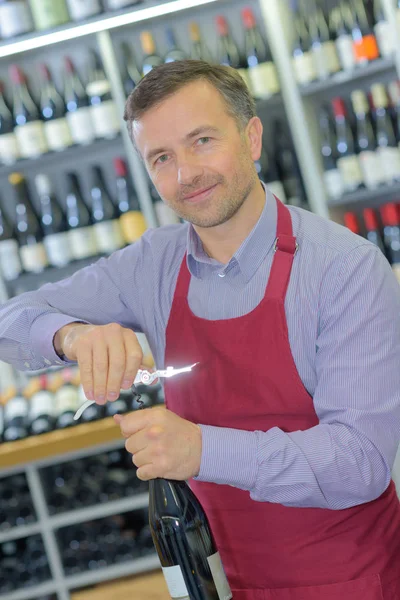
199, 161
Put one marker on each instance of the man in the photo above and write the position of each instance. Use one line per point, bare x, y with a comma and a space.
289, 425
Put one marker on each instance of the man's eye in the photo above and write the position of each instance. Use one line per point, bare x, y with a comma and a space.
162, 159
203, 140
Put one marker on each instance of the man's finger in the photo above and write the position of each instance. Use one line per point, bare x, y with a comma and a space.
133, 358
116, 363
85, 363
100, 369
135, 421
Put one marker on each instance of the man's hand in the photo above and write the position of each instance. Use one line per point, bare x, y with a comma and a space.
162, 443
108, 356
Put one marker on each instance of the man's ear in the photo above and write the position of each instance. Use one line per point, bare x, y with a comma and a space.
254, 132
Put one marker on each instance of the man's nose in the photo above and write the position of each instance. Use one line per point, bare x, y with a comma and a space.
188, 170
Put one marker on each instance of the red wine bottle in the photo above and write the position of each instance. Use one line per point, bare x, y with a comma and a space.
303, 63
348, 161
79, 116
228, 53
385, 135
332, 177
10, 262
133, 223
185, 544
53, 110
104, 112
131, 74
107, 228
81, 233
391, 235
344, 39
9, 151
372, 228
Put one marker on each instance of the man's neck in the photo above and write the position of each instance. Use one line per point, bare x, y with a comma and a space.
223, 241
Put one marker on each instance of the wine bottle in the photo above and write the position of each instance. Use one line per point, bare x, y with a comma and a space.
42, 404
383, 31
262, 71
54, 223
133, 223
344, 39
103, 109
9, 151
15, 18
78, 115
107, 228
303, 63
10, 262
394, 95
131, 74
365, 44
267, 171
28, 124
66, 402
385, 135
81, 234
287, 165
348, 162
83, 9
29, 232
366, 144
332, 176
351, 222
228, 53
328, 37
174, 52
15, 416
372, 228
199, 51
326, 60
48, 14
53, 110
391, 235
185, 544
165, 215
150, 57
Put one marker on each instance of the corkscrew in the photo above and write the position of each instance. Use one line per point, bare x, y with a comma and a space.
143, 377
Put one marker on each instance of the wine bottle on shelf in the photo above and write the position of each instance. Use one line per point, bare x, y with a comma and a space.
332, 177
348, 162
133, 223
15, 19
29, 232
131, 75
103, 109
328, 38
42, 404
81, 234
28, 123
10, 262
78, 112
351, 222
372, 228
267, 171
394, 95
324, 53
80, 10
16, 411
54, 223
287, 165
199, 51
165, 215
369, 158
9, 151
391, 235
174, 52
184, 542
303, 63
383, 31
150, 57
228, 53
261, 68
365, 44
107, 228
344, 39
48, 14
53, 110
385, 135
66, 401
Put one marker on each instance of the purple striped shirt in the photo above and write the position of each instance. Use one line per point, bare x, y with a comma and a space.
343, 313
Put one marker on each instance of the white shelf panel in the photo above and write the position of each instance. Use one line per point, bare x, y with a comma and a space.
36, 591
20, 532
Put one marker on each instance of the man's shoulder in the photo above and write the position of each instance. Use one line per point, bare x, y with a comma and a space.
167, 243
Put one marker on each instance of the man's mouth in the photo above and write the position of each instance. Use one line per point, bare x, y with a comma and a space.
200, 194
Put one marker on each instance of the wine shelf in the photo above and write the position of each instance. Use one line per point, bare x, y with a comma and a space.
378, 66
89, 513
151, 10
19, 532
36, 591
362, 196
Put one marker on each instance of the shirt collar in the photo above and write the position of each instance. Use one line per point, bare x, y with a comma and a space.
248, 257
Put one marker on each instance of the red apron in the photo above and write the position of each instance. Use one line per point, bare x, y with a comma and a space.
269, 551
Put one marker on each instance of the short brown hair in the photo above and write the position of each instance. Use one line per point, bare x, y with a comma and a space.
163, 81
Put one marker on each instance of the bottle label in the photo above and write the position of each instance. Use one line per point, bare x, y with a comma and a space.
57, 134
33, 257
334, 183
14, 19
304, 68
31, 139
42, 403
278, 190
175, 583
109, 236
8, 149
331, 56
390, 163
105, 119
220, 580
371, 168
49, 13
57, 248
385, 37
82, 242
82, 9
10, 263
366, 48
320, 62
264, 80
67, 399
16, 407
350, 169
81, 126
133, 225
344, 45
244, 74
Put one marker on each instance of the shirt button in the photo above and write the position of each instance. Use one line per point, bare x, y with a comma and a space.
221, 274
27, 365
47, 361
